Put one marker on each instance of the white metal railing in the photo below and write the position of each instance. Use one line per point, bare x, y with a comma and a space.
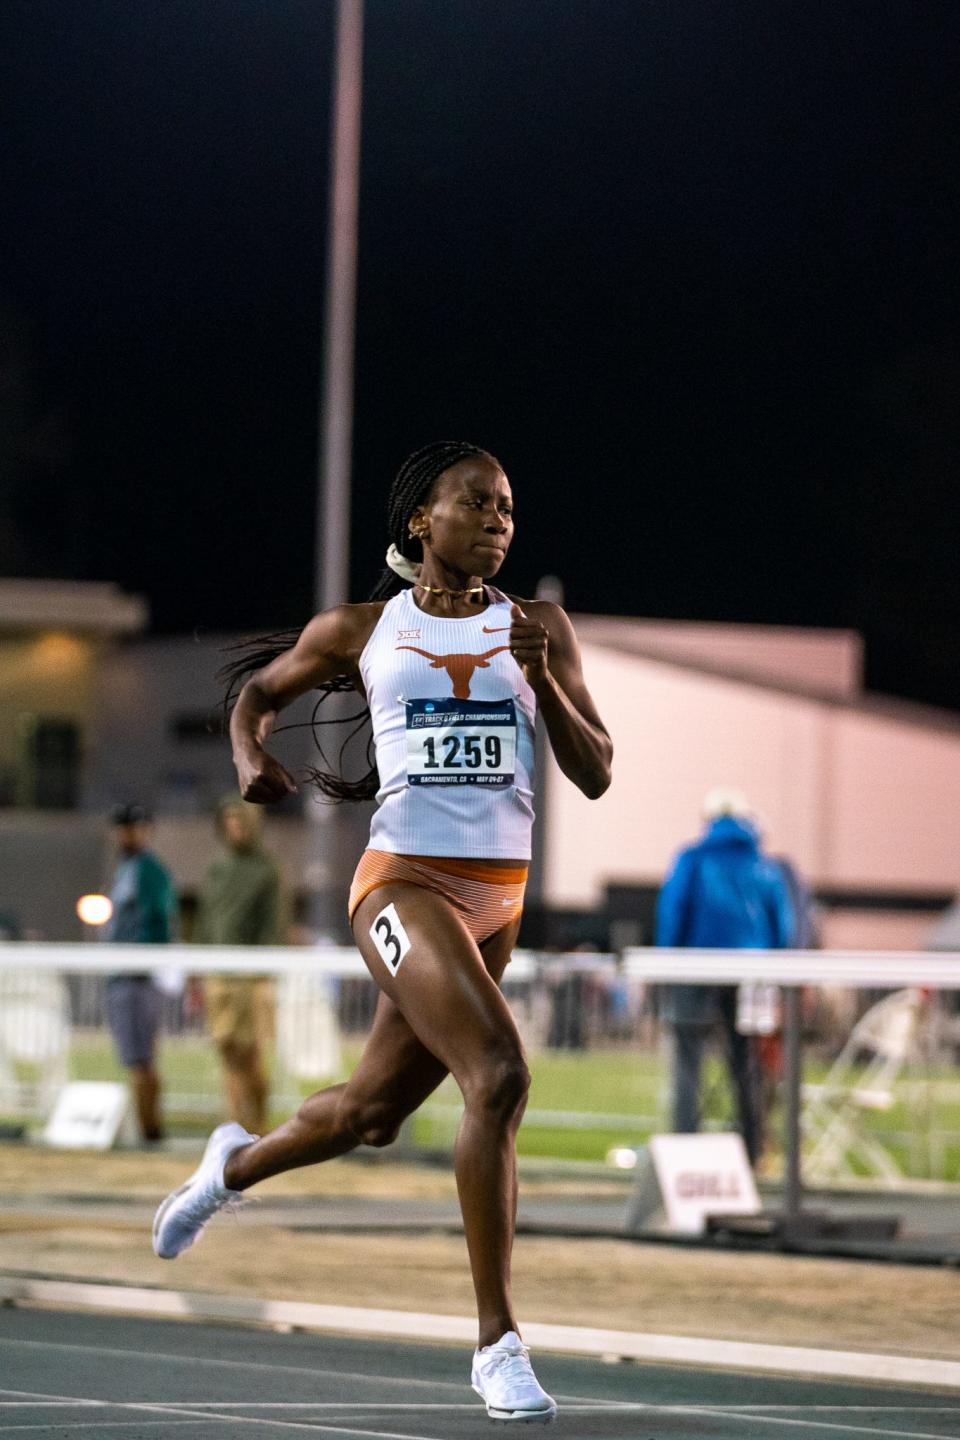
53, 1019
856, 969
52, 1024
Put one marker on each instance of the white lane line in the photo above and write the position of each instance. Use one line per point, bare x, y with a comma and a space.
304, 1405
320, 1429
404, 1325
40, 1395
182, 1413
48, 1402
245, 1365
171, 1421
99, 1425
598, 1400
577, 1407
797, 1408
852, 1409
188, 1413
815, 1424
593, 1407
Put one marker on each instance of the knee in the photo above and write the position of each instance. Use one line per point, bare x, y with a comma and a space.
501, 1088
238, 1057
372, 1122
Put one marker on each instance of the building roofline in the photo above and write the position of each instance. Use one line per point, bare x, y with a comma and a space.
869, 703
91, 607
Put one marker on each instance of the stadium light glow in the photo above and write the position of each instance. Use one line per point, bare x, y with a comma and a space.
623, 1157
94, 909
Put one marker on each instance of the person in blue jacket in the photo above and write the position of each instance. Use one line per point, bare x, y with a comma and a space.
720, 893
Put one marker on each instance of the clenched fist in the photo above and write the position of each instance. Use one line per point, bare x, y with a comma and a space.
528, 645
262, 779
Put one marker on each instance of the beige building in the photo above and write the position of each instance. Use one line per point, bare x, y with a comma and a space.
53, 639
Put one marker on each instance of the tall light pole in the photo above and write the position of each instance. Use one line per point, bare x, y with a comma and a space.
332, 562
332, 543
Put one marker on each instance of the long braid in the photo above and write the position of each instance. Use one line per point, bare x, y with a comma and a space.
411, 487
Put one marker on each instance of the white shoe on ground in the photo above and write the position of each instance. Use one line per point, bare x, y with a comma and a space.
182, 1216
503, 1378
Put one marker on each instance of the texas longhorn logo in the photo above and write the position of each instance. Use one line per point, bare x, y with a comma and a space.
460, 668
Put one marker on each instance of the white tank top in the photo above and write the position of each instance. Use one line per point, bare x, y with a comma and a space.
453, 724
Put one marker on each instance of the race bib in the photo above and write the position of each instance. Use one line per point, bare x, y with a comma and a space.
461, 742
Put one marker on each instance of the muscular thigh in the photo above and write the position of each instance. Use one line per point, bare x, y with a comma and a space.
435, 978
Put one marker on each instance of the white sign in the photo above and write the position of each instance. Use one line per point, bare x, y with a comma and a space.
701, 1175
390, 938
91, 1115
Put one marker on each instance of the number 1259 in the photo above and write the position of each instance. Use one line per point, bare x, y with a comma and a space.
466, 751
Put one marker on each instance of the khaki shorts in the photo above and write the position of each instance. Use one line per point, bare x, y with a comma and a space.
239, 1010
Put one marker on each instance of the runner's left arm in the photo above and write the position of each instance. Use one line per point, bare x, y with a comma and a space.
543, 643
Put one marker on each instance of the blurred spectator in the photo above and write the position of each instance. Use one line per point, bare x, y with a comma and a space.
806, 914
144, 913
568, 1018
805, 935
241, 903
9, 924
721, 893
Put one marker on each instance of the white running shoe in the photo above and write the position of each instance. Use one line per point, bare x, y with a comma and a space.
503, 1378
181, 1217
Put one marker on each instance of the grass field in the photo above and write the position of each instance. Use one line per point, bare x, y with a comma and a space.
582, 1103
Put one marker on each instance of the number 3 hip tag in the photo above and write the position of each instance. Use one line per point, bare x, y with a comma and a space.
390, 938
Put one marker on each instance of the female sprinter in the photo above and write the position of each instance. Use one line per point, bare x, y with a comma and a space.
453, 672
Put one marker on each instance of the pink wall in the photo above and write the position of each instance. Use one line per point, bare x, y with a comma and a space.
856, 799
894, 793
827, 663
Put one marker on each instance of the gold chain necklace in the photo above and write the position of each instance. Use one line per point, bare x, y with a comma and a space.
441, 590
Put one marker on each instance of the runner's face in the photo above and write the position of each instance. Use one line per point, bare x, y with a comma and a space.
470, 517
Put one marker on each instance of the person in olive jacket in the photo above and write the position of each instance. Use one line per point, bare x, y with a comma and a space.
241, 902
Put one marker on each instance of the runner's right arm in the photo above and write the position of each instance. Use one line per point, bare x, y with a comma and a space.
329, 645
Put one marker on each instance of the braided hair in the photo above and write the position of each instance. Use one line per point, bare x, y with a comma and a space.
411, 487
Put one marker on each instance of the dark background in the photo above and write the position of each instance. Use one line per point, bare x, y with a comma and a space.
688, 268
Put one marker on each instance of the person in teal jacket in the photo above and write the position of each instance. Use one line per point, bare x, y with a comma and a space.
144, 913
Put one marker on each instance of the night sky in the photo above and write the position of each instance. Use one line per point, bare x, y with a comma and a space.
688, 267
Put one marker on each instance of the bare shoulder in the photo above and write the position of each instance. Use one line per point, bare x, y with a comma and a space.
343, 630
552, 616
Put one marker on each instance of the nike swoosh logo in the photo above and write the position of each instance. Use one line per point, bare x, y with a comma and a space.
495, 629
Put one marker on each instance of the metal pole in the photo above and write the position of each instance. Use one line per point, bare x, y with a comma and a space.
332, 566
792, 1196
329, 876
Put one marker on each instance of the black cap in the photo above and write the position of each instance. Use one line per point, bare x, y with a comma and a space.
129, 814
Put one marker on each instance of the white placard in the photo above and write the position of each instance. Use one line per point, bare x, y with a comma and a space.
90, 1115
390, 938
701, 1175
